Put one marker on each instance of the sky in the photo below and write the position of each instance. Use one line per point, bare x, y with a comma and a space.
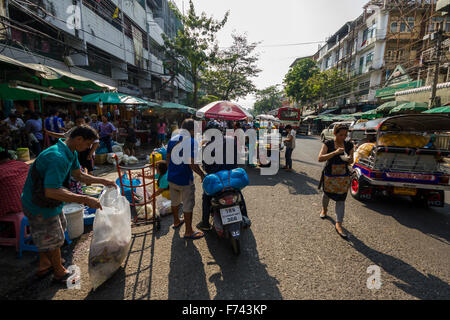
277, 23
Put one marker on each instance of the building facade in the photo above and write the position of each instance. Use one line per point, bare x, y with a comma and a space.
112, 41
387, 37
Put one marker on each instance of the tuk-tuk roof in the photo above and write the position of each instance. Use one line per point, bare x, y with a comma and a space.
368, 125
416, 123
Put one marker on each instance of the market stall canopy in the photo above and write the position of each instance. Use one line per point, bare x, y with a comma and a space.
417, 123
388, 106
410, 107
328, 111
179, 107
445, 109
16, 90
224, 110
113, 98
372, 114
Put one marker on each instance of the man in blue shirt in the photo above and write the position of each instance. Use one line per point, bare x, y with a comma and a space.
181, 177
44, 196
54, 124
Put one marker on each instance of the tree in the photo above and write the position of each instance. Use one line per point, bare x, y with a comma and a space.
194, 46
229, 77
268, 99
296, 81
328, 84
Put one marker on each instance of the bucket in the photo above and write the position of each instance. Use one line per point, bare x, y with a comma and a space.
23, 154
74, 216
100, 159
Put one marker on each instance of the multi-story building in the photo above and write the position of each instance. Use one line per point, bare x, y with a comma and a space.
111, 41
384, 43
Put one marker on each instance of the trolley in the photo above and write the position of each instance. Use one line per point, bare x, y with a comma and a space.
132, 173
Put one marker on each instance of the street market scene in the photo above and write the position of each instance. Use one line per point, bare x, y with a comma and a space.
185, 150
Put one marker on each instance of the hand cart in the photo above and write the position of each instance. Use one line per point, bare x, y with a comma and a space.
132, 173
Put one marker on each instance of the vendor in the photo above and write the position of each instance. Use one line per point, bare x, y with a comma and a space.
86, 157
12, 178
45, 193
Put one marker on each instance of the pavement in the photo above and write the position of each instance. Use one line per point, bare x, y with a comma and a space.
288, 253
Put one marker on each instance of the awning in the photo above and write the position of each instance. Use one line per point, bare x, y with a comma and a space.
328, 111
114, 98
180, 107
25, 91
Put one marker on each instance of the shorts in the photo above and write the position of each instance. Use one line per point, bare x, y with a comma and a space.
182, 194
47, 233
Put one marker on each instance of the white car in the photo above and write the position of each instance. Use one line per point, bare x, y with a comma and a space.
327, 134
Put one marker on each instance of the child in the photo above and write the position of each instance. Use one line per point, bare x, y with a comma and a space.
162, 184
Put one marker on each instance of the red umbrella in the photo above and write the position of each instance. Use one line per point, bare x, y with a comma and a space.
224, 110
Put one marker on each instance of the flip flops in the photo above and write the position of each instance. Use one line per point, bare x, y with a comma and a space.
178, 226
195, 236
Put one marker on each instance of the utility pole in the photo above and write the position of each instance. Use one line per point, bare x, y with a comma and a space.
438, 49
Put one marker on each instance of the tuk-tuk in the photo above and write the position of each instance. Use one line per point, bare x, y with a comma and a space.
407, 159
363, 132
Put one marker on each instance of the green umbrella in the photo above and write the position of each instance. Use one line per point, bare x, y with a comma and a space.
445, 109
388, 106
179, 107
114, 98
410, 107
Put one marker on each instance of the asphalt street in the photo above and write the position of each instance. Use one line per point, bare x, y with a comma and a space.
289, 252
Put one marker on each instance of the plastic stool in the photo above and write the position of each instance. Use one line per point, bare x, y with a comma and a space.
16, 219
25, 238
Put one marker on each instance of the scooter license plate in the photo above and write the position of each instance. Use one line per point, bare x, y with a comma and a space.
230, 215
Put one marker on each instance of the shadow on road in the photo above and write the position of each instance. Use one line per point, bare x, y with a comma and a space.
430, 221
244, 277
187, 277
297, 182
412, 282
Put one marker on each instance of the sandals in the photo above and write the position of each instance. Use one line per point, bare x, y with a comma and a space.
178, 226
195, 236
64, 279
343, 235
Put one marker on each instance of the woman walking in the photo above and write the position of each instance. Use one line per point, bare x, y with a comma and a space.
335, 180
290, 146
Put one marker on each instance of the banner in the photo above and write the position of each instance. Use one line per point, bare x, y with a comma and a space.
138, 47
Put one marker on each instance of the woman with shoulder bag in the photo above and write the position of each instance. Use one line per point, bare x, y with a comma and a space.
335, 180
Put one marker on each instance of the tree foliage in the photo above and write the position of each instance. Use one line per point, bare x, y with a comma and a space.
296, 81
194, 46
268, 99
327, 84
230, 75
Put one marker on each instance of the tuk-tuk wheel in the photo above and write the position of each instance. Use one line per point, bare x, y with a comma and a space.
355, 187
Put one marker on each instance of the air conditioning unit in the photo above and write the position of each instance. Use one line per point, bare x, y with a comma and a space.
68, 61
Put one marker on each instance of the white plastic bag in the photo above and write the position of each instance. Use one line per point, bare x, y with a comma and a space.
116, 148
112, 236
110, 159
125, 159
163, 206
132, 160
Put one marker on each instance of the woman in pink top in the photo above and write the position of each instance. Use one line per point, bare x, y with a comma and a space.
161, 126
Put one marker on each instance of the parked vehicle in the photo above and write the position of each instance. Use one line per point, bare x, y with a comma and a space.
287, 116
407, 160
226, 212
327, 134
362, 132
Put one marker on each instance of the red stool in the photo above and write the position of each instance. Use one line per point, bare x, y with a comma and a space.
16, 219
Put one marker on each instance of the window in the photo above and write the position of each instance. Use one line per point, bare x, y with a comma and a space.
361, 65
369, 57
365, 35
411, 24
394, 27
403, 27
105, 9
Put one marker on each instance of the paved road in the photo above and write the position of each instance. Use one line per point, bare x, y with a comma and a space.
289, 253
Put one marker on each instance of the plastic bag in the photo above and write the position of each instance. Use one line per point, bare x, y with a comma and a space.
163, 206
132, 160
141, 211
111, 238
111, 160
117, 148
